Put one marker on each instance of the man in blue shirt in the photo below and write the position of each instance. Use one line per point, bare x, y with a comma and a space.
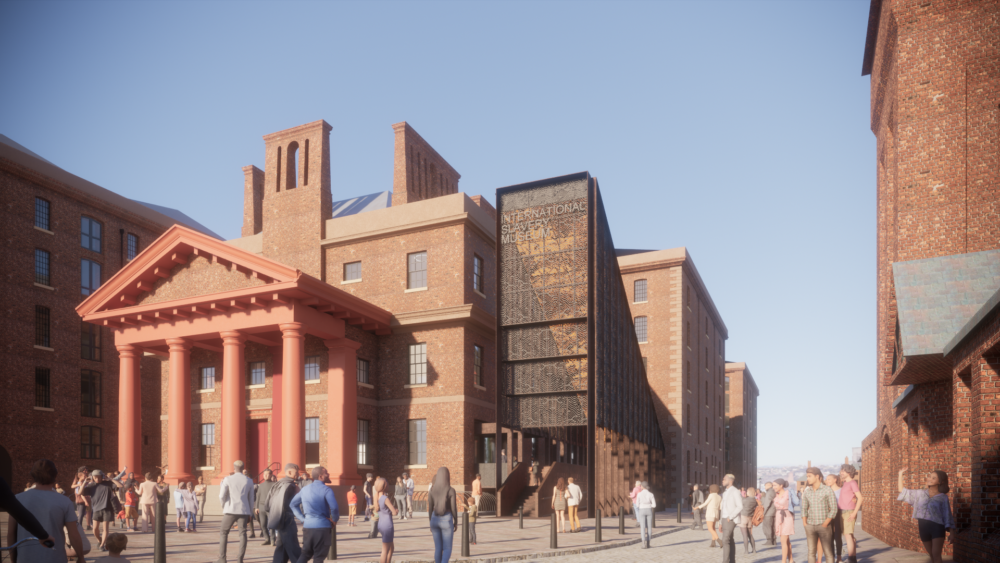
316, 507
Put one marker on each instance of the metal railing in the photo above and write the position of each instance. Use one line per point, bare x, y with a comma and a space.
273, 466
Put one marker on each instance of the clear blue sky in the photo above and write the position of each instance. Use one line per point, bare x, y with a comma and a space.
737, 129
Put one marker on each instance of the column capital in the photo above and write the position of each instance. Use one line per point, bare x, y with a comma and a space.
336, 343
178, 344
128, 350
292, 330
232, 337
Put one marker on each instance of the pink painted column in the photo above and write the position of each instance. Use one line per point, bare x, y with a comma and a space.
129, 401
293, 395
179, 412
342, 412
234, 403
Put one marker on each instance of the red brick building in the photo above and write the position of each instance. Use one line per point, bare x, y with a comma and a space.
65, 237
935, 92
741, 424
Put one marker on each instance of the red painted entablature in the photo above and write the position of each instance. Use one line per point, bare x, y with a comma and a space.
188, 278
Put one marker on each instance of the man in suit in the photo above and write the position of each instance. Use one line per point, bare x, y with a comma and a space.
768, 503
237, 497
697, 497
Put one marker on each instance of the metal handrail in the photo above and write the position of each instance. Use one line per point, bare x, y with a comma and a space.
14, 546
269, 466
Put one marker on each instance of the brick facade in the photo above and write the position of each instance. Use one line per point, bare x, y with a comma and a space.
741, 424
935, 91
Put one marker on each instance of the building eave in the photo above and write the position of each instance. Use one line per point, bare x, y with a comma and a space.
871, 39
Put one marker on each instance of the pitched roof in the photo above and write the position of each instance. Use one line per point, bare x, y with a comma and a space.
360, 204
937, 297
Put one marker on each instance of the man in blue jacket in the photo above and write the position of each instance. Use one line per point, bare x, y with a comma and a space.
316, 507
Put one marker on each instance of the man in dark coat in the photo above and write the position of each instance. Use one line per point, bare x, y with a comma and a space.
697, 497
768, 503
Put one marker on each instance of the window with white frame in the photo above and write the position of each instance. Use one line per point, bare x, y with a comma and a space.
352, 271
640, 328
418, 364
255, 373
416, 269
206, 453
312, 368
477, 273
363, 437
418, 442
208, 378
640, 291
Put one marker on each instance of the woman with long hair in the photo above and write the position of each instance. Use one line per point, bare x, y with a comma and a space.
712, 506
385, 526
399, 493
931, 510
784, 518
559, 495
190, 502
442, 510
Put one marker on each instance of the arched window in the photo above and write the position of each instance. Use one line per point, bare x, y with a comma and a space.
292, 181
639, 291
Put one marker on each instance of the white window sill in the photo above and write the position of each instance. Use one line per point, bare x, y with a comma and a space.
639, 302
644, 342
366, 385
366, 467
414, 289
46, 409
313, 381
259, 386
46, 348
414, 385
345, 282
46, 231
479, 293
206, 390
311, 465
480, 387
415, 466
205, 468
43, 286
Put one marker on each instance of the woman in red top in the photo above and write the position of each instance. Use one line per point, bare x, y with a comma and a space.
132, 509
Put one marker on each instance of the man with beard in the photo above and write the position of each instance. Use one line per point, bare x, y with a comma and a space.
316, 507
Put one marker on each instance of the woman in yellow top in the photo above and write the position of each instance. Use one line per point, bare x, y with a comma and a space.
712, 511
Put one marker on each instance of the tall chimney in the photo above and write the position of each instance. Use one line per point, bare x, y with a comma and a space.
253, 200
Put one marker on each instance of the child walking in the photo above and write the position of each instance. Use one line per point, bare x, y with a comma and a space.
473, 510
352, 506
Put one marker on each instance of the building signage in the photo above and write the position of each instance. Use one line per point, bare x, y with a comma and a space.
534, 224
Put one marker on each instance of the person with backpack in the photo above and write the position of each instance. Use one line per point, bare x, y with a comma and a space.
280, 517
751, 506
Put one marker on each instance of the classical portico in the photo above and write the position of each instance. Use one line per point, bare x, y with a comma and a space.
188, 290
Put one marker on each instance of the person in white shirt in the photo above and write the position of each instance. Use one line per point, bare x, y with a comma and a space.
237, 497
575, 496
732, 505
645, 504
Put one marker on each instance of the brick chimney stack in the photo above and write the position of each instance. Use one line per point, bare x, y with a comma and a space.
419, 172
253, 200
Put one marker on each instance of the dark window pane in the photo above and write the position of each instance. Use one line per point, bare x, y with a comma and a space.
42, 267
90, 393
90, 234
477, 273
477, 365
90, 276
363, 375
90, 442
90, 340
42, 388
42, 214
362, 442
132, 247
42, 326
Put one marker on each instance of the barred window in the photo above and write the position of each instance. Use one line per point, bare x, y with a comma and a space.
42, 259
640, 291
687, 375
43, 394
416, 267
90, 393
363, 371
352, 271
90, 442
645, 364
418, 363
640, 328
312, 368
90, 234
90, 341
477, 273
688, 419
477, 364
312, 440
418, 442
90, 276
42, 214
131, 247
43, 335
255, 373
206, 451
363, 442
208, 378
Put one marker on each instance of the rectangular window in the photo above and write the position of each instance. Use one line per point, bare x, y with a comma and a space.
255, 373
418, 442
363, 442
416, 268
645, 364
131, 247
688, 375
477, 364
418, 364
43, 388
90, 442
90, 234
363, 372
42, 267
90, 276
90, 341
477, 273
312, 368
206, 452
640, 328
43, 336
640, 291
208, 378
42, 214
90, 393
352, 271
312, 440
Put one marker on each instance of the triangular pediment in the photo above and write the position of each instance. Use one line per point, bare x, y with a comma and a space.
183, 263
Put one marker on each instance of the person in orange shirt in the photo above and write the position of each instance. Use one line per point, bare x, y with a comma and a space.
352, 506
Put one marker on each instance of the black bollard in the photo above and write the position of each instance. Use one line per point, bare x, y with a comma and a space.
465, 534
621, 520
520, 518
553, 536
332, 556
597, 527
678, 512
654, 518
160, 534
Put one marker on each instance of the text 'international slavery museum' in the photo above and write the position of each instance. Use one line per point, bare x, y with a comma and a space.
399, 331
